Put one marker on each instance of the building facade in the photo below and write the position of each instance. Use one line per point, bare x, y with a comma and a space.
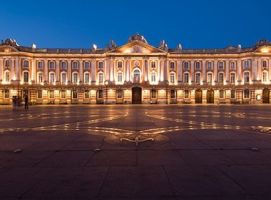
136, 72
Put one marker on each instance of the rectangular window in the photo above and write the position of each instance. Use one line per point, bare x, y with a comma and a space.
6, 94
172, 78
25, 77
172, 94
153, 94
186, 66
63, 94
221, 94
220, 78
119, 94
63, 78
86, 94
186, 78
86, 78
119, 77
186, 94
246, 94
40, 65
209, 78
233, 94
100, 65
232, 66
74, 94
51, 65
100, 94
172, 65
153, 65
39, 94
51, 94
119, 65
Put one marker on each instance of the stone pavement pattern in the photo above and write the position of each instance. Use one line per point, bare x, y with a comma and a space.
76, 152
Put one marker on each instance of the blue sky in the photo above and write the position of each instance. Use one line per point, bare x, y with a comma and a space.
80, 23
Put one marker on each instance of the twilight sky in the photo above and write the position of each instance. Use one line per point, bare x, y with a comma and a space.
80, 23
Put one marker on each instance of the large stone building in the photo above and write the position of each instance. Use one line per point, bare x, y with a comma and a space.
135, 72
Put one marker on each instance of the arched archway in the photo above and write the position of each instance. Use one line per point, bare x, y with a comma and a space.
136, 95
266, 95
210, 96
198, 96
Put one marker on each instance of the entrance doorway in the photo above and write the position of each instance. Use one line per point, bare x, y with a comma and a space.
210, 96
266, 95
136, 95
198, 96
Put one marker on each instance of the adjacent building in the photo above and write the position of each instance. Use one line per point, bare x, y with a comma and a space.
136, 72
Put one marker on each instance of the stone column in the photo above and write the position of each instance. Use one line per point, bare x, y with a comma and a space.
259, 63
227, 71
254, 69
111, 69
57, 71
1, 69
128, 76
18, 68
239, 69
107, 69
81, 71
12, 71
33, 69
166, 70
192, 70
146, 70
93, 72
69, 71
162, 66
204, 71
215, 71
269, 70
179, 71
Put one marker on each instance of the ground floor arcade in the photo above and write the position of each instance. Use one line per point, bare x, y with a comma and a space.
137, 95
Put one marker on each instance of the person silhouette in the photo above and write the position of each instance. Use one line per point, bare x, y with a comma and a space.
26, 102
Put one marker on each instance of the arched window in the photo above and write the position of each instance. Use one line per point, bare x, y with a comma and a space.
51, 65
40, 77
186, 77
75, 65
197, 65
100, 78
86, 77
26, 64
186, 66
232, 66
7, 76
209, 65
86, 65
220, 65
136, 75
51, 77
232, 78
197, 78
265, 76
119, 77
246, 94
172, 78
63, 77
153, 77
25, 76
220, 78
64, 65
246, 77
74, 77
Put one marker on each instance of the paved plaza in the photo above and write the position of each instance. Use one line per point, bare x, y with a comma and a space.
138, 152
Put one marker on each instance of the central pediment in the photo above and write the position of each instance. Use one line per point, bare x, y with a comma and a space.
137, 47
